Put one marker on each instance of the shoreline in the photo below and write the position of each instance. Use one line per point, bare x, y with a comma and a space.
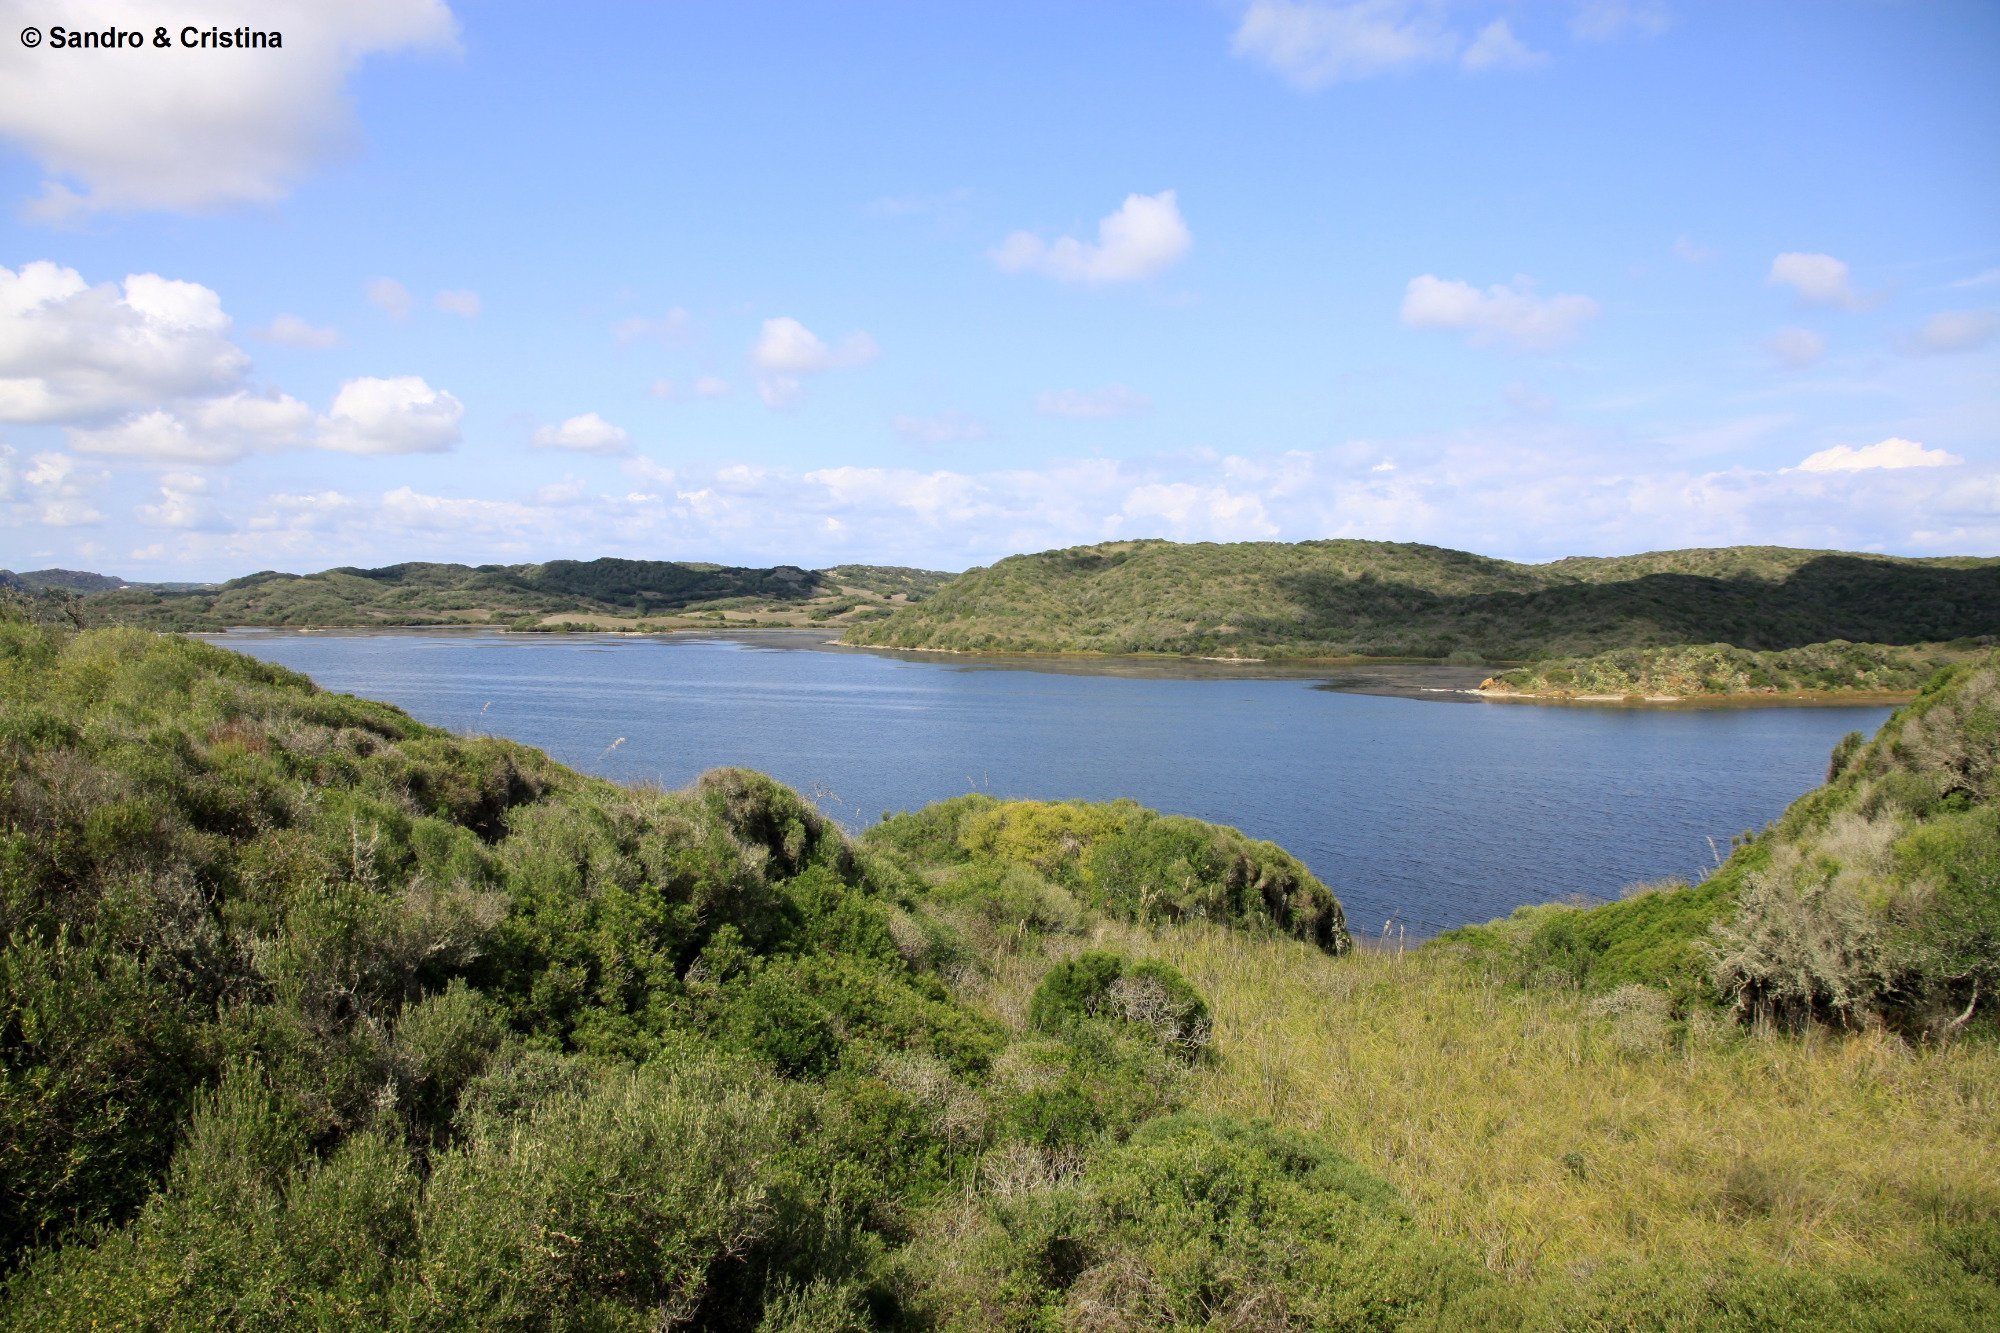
1422, 679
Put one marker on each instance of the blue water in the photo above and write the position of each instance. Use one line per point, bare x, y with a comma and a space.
1429, 813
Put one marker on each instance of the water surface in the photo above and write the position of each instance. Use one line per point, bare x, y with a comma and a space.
1428, 813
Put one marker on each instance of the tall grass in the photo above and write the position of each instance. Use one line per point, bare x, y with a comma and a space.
1552, 1133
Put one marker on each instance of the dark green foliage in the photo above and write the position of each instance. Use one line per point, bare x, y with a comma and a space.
1105, 987
1338, 598
1205, 1222
1128, 861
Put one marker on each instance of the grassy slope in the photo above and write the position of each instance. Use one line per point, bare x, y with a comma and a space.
1331, 598
1719, 669
609, 591
336, 1019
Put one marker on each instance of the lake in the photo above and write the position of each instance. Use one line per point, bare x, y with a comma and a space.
1418, 811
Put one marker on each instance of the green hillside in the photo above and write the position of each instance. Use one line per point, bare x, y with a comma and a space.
1342, 598
1718, 669
608, 593
1874, 899
314, 1016
70, 580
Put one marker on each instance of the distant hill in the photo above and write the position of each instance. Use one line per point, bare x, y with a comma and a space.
1340, 598
72, 580
594, 593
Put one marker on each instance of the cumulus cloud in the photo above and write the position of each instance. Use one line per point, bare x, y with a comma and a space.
183, 503
789, 347
588, 433
941, 428
1315, 44
392, 298
1144, 237
187, 134
1524, 489
1496, 47
1957, 331
292, 331
72, 351
1798, 348
786, 350
1892, 453
368, 416
1507, 312
402, 415
1818, 279
1101, 404
462, 303
216, 430
55, 491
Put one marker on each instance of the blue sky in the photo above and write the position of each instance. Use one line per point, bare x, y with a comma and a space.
932, 284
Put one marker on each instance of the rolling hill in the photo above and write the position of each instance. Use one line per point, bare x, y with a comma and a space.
1325, 599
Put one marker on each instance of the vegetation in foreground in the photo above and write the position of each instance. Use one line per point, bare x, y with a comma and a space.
312, 1015
1387, 599
1717, 669
572, 594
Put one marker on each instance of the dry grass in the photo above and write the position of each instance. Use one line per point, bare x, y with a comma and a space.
1550, 1133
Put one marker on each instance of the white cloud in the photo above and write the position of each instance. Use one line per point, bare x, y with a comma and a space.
1892, 453
1608, 20
1144, 237
588, 433
1798, 348
70, 351
1315, 44
941, 428
392, 298
402, 415
222, 431
292, 331
789, 347
183, 504
176, 131
1496, 47
779, 391
641, 468
785, 350
1957, 330
462, 303
1510, 313
556, 494
58, 491
673, 327
1189, 511
1818, 279
1983, 279
413, 509
1102, 404
1521, 489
